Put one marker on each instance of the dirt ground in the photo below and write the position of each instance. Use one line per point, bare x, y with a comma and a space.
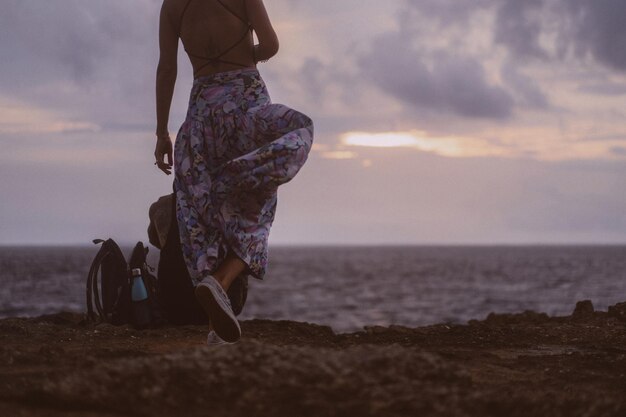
507, 365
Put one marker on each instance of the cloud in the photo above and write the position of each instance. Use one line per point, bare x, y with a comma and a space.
420, 141
518, 26
444, 12
583, 28
440, 81
526, 88
619, 150
470, 74
597, 28
17, 118
338, 155
90, 60
536, 29
603, 88
73, 38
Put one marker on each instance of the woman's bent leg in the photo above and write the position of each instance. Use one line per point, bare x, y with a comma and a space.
229, 269
244, 189
287, 137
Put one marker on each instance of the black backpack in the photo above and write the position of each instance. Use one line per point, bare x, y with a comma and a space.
112, 299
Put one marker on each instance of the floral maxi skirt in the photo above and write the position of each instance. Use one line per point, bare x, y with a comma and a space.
230, 155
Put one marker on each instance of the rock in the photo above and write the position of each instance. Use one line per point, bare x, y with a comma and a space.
618, 311
527, 317
63, 318
375, 329
400, 329
584, 310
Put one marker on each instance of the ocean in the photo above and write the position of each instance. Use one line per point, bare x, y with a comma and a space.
351, 287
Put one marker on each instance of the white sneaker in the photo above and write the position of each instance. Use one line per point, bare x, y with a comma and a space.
214, 301
214, 340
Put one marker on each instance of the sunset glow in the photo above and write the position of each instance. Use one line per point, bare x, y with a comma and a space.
381, 140
450, 146
20, 118
339, 155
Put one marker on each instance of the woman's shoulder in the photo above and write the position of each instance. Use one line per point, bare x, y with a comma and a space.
174, 6
172, 10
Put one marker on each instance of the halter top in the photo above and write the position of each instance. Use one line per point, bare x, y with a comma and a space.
218, 58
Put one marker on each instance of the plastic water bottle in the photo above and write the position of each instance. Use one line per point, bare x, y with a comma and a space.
139, 297
138, 291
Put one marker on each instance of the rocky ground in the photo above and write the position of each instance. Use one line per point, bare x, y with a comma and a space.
507, 365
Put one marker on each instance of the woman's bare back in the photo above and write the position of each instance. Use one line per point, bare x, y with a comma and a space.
214, 32
215, 28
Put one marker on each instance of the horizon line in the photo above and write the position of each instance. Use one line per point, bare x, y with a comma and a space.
346, 244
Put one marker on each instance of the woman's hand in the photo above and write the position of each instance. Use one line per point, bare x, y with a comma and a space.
163, 148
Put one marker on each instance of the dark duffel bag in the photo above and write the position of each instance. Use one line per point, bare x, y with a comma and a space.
175, 287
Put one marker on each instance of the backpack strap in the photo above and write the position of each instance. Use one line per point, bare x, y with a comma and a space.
92, 285
109, 248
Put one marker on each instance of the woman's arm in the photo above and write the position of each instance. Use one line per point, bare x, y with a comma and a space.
165, 81
260, 21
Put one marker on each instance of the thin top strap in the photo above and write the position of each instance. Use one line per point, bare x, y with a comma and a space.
230, 10
218, 58
233, 12
182, 15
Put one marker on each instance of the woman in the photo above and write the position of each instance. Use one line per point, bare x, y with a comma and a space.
233, 150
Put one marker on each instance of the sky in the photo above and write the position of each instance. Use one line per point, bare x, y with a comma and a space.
436, 121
